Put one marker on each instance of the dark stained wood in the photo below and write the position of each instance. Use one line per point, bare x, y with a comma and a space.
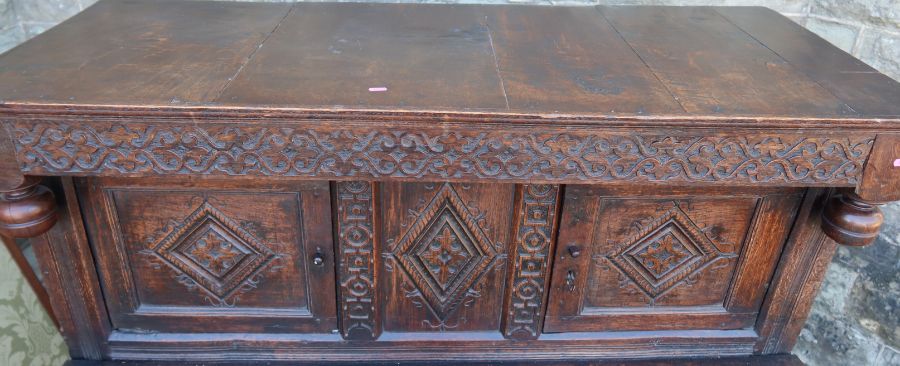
230, 258
139, 52
526, 304
69, 274
427, 347
435, 184
509, 152
657, 262
881, 178
535, 60
424, 56
28, 210
851, 220
801, 269
771, 224
864, 89
11, 177
573, 62
357, 250
712, 67
445, 249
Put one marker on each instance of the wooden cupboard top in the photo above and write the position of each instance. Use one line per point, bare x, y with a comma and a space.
605, 61
685, 95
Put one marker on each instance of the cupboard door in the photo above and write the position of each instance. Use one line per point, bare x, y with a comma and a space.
177, 255
646, 259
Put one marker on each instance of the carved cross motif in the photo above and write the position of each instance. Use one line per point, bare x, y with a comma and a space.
215, 253
663, 254
444, 257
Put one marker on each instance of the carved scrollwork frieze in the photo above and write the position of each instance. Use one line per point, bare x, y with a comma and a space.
501, 154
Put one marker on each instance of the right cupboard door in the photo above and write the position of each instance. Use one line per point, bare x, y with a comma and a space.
665, 258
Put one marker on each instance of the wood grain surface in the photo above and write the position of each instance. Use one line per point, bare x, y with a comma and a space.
621, 61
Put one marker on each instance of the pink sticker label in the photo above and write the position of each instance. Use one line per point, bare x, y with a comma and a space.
897, 163
378, 89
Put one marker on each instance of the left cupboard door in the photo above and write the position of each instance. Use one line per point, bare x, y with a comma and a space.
201, 256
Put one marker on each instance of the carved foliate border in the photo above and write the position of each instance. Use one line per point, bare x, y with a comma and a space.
356, 264
555, 154
531, 265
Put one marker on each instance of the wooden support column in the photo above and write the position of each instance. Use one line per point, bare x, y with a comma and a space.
28, 210
852, 217
851, 220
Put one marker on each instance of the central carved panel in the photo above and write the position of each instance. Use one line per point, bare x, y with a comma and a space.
214, 252
445, 252
666, 251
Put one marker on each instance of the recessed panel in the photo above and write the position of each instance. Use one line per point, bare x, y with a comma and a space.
204, 257
214, 249
646, 258
445, 255
665, 252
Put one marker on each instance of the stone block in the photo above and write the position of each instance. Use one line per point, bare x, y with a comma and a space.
85, 3
882, 13
829, 340
46, 11
799, 19
881, 50
34, 28
890, 232
873, 304
7, 14
783, 6
10, 37
841, 35
840, 282
888, 357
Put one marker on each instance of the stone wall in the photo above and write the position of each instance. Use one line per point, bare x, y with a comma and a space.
855, 318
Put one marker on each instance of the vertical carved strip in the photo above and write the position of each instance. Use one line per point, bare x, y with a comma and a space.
525, 308
356, 267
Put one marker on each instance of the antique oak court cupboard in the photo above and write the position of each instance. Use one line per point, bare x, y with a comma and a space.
339, 182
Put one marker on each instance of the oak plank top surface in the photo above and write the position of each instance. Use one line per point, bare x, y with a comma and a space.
573, 61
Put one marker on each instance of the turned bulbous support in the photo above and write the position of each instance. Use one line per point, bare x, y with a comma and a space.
850, 220
28, 210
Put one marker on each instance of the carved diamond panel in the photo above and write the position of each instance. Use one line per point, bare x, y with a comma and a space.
214, 252
445, 253
665, 252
